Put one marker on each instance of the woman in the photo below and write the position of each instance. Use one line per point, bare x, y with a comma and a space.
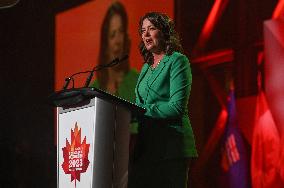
165, 140
119, 80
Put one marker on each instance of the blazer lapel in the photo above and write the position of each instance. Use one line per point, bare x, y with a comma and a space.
142, 74
159, 69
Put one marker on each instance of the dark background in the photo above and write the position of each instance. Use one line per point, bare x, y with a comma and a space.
27, 32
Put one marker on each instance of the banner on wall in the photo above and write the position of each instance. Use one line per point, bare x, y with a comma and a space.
234, 156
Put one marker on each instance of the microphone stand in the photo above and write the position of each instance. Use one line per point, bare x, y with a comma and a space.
96, 68
89, 78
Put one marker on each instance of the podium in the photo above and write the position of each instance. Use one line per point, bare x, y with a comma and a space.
92, 138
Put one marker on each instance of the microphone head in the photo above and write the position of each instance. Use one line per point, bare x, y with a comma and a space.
114, 62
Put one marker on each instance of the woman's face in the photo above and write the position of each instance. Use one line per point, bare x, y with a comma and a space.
151, 36
115, 38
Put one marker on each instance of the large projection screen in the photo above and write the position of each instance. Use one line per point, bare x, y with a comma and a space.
78, 35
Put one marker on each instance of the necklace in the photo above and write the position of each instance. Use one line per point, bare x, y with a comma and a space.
156, 65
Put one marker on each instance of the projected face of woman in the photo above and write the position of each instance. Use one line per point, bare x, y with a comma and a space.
115, 38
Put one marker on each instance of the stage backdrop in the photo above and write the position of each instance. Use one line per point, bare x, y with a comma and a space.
78, 35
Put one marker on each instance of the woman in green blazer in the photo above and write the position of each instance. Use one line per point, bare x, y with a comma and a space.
165, 139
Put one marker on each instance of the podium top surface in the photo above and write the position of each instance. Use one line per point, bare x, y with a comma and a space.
75, 96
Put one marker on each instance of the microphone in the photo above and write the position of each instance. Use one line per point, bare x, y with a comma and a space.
67, 80
111, 64
96, 68
89, 78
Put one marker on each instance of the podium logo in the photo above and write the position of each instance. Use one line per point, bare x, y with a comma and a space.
75, 155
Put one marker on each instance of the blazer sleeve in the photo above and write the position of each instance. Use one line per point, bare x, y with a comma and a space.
180, 85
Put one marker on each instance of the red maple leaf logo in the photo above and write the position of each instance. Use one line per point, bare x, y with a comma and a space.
75, 155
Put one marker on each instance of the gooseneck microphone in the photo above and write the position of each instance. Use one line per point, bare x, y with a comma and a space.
96, 68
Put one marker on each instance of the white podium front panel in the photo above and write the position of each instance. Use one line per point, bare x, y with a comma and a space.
76, 148
93, 145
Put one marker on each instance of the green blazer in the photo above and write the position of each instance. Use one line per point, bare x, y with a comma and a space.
165, 130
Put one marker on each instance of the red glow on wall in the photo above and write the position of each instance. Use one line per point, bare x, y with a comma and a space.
278, 11
213, 17
274, 68
214, 138
265, 147
214, 58
274, 78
